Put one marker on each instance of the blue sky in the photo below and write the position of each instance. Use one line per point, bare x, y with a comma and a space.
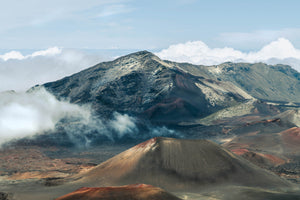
153, 25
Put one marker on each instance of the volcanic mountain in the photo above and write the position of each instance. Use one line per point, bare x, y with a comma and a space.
164, 91
195, 100
177, 164
133, 192
143, 84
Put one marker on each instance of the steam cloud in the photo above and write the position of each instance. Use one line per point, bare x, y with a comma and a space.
123, 124
37, 112
25, 114
280, 51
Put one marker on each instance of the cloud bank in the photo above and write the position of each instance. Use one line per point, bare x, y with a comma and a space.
16, 55
26, 114
258, 38
280, 51
20, 72
37, 113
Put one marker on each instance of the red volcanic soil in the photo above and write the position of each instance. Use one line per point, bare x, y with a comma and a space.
127, 192
185, 100
264, 122
239, 151
167, 107
184, 82
291, 136
146, 143
274, 159
260, 159
234, 146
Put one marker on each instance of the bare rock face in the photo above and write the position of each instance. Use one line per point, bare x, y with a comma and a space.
133, 192
176, 164
144, 85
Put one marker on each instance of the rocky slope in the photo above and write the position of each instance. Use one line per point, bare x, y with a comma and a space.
262, 81
142, 84
274, 148
176, 164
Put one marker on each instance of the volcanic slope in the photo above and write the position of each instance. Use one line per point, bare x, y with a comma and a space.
262, 81
278, 151
132, 192
143, 84
178, 165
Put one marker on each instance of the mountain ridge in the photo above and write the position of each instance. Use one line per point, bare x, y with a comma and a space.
142, 84
258, 79
266, 82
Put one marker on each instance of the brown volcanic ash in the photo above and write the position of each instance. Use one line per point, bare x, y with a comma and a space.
275, 143
260, 159
133, 192
176, 164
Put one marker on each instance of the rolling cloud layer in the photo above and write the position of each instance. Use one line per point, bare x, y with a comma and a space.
280, 51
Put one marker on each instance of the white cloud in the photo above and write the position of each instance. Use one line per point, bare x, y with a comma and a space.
20, 72
123, 124
254, 39
25, 114
279, 49
12, 55
197, 52
48, 52
15, 55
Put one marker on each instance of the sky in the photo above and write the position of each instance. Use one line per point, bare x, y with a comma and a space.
140, 24
42, 41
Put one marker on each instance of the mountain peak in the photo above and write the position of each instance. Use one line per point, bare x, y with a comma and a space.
144, 52
138, 55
